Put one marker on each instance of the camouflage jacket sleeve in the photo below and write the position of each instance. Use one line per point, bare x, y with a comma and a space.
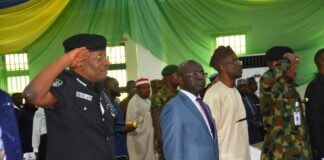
273, 75
156, 105
269, 90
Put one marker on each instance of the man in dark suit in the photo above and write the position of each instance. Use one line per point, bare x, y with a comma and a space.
315, 108
188, 129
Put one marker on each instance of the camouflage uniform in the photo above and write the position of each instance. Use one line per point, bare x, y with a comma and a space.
157, 103
283, 140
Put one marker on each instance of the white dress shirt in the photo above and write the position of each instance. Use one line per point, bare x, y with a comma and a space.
193, 98
39, 128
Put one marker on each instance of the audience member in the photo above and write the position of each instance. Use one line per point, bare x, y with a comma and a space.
315, 108
140, 141
18, 101
227, 106
188, 129
25, 118
168, 91
253, 113
286, 136
79, 113
39, 136
120, 128
131, 90
252, 85
156, 85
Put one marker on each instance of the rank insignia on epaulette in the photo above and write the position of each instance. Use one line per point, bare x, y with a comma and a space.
57, 82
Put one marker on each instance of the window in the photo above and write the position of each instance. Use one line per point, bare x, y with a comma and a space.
117, 68
237, 43
14, 72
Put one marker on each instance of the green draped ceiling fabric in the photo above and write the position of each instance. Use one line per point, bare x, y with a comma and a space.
23, 24
173, 30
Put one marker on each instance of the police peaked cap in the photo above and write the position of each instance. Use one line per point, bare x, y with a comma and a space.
169, 69
276, 53
92, 42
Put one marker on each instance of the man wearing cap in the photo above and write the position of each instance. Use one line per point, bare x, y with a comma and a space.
227, 106
121, 127
168, 91
140, 141
78, 110
286, 136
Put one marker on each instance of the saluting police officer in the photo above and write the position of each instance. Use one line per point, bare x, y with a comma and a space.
78, 111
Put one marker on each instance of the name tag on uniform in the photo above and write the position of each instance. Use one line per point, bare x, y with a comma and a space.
297, 119
84, 96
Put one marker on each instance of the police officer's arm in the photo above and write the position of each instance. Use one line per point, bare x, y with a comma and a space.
38, 90
274, 74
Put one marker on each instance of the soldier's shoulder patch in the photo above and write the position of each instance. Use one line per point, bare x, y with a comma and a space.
57, 83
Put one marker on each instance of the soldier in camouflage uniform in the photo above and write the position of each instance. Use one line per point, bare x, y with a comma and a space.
168, 91
286, 136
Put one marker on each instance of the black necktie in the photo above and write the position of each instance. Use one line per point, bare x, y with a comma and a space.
207, 116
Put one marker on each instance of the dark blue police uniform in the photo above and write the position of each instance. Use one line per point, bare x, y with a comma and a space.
77, 127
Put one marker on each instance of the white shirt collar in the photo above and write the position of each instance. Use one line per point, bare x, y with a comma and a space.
190, 95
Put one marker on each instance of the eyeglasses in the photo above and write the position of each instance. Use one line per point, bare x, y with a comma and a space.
102, 59
197, 74
236, 61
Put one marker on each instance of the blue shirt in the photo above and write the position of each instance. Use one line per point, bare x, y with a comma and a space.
120, 135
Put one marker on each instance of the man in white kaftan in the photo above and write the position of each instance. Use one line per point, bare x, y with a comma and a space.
140, 141
227, 107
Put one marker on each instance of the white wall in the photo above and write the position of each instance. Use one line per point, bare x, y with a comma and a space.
148, 65
301, 90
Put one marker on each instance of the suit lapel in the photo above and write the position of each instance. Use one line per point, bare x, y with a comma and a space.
192, 107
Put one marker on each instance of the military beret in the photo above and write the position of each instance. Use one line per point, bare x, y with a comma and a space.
276, 53
92, 42
169, 69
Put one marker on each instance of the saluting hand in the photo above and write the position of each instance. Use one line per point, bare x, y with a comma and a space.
294, 59
78, 55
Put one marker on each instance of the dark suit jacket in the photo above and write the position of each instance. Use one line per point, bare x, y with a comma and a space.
314, 115
184, 132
